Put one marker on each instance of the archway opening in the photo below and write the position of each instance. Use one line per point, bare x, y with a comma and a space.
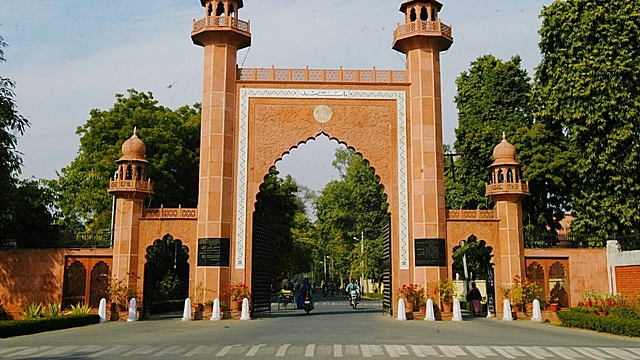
166, 276
472, 264
328, 236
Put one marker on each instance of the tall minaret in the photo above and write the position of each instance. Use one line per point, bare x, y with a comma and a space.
221, 33
130, 187
507, 189
422, 37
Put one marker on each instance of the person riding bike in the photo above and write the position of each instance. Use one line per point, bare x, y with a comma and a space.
353, 285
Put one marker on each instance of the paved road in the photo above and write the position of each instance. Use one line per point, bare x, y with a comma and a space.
332, 330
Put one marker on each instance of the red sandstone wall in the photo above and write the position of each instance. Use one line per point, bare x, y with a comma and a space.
587, 269
627, 280
35, 276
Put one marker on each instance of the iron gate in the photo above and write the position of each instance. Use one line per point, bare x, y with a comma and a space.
387, 309
260, 267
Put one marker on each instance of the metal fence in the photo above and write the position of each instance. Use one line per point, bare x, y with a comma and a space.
540, 239
60, 240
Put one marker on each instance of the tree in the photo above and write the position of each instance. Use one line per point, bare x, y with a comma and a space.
172, 139
587, 90
493, 97
349, 210
12, 124
278, 206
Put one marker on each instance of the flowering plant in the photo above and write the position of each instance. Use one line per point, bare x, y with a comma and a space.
524, 291
446, 289
413, 293
237, 291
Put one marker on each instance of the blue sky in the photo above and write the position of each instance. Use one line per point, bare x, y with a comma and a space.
68, 57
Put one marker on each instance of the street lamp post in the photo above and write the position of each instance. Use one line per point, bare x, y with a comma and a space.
466, 271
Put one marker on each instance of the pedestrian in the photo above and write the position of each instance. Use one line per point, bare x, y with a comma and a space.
474, 296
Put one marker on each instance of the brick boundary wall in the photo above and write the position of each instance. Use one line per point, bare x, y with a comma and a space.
627, 279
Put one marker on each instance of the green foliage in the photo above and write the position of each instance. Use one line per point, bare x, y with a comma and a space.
79, 309
172, 139
168, 270
33, 326
12, 125
291, 231
607, 324
3, 312
31, 311
52, 310
493, 97
446, 290
587, 91
348, 211
478, 258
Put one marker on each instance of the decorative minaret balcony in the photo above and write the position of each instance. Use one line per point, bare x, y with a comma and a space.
422, 27
221, 25
506, 183
129, 183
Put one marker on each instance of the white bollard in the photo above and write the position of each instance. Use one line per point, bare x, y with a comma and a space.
215, 314
102, 310
186, 315
245, 310
537, 313
457, 312
402, 315
430, 316
132, 310
506, 312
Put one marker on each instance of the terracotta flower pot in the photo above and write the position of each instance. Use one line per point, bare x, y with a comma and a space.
554, 307
447, 307
235, 305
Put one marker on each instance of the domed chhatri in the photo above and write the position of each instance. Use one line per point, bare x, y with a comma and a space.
134, 148
506, 179
504, 153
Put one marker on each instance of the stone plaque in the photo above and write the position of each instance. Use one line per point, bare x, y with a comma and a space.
213, 252
430, 252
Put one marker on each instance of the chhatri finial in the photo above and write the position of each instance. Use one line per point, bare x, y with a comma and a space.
135, 130
504, 136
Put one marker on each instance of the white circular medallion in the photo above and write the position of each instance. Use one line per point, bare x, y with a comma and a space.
322, 113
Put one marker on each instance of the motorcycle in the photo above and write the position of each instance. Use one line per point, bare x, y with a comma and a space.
307, 304
354, 299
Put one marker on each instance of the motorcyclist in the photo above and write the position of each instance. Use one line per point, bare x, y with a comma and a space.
353, 285
305, 288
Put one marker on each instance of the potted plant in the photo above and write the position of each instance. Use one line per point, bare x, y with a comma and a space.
423, 307
588, 298
446, 288
209, 305
236, 291
414, 294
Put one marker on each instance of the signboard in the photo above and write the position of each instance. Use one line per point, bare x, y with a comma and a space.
213, 252
430, 252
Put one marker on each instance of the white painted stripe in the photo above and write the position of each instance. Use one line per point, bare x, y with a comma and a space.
365, 350
351, 350
531, 351
500, 350
311, 348
30, 351
391, 351
563, 352
446, 351
416, 350
225, 350
254, 349
59, 350
428, 350
171, 350
110, 351
376, 350
145, 350
87, 350
592, 353
620, 353
633, 350
540, 351
484, 350
201, 350
15, 348
475, 352
337, 350
282, 350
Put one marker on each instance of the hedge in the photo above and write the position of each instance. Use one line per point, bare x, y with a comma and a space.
609, 324
10, 328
